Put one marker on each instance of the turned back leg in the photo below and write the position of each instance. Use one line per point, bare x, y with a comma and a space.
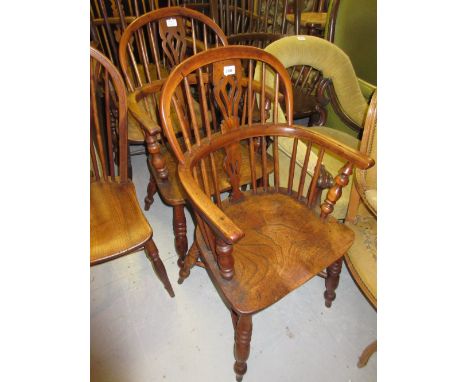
332, 280
189, 262
150, 191
179, 224
152, 252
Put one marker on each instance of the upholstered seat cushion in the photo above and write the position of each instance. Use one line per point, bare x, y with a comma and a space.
362, 256
117, 224
289, 242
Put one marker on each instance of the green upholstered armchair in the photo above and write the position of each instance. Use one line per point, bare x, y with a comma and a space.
361, 258
338, 86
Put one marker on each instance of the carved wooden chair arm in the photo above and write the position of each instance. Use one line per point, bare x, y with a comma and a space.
137, 110
218, 221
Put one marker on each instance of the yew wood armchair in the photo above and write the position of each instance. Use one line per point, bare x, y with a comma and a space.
335, 85
261, 243
361, 258
150, 48
118, 226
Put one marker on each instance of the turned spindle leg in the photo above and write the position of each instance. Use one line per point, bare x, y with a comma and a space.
332, 281
243, 334
179, 225
152, 252
150, 191
189, 262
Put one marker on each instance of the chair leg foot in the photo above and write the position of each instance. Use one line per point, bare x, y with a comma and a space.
153, 253
366, 354
179, 225
332, 281
189, 262
243, 335
150, 191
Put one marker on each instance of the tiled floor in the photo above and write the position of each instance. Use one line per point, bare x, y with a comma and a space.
140, 334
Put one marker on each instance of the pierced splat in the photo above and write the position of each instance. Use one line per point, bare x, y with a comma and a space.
228, 90
173, 39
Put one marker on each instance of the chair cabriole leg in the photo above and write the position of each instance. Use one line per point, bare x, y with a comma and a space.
366, 354
153, 253
332, 281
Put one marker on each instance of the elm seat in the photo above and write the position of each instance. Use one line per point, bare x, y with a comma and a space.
284, 246
117, 224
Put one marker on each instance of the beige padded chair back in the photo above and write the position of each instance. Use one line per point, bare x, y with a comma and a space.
331, 61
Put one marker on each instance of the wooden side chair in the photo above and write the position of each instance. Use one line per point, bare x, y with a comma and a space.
361, 258
118, 226
335, 86
150, 48
261, 243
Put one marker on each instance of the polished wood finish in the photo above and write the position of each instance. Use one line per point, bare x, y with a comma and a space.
150, 47
118, 227
261, 242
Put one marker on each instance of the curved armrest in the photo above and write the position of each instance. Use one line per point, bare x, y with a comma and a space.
148, 125
218, 221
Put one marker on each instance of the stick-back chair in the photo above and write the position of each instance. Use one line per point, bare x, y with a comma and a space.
118, 226
150, 48
261, 243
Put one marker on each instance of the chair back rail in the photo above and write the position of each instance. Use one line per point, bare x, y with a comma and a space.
108, 102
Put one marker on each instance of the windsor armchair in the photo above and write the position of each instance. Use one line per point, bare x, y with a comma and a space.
118, 227
333, 84
261, 243
361, 258
160, 40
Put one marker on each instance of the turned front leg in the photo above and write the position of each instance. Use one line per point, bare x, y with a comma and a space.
179, 224
225, 258
332, 280
243, 335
